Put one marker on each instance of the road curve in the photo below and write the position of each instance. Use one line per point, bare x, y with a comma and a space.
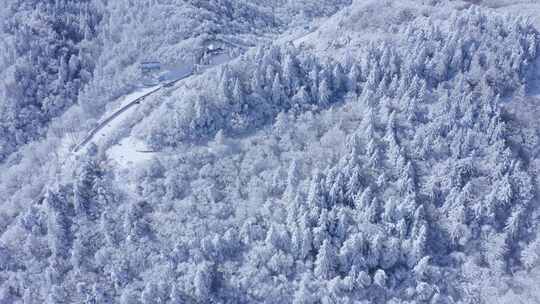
119, 112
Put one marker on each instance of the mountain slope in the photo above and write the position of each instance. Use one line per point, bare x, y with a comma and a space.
399, 167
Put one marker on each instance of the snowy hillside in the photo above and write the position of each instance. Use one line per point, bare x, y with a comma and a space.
331, 152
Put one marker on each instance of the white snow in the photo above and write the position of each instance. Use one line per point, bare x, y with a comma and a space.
130, 151
127, 151
110, 131
176, 73
220, 58
104, 134
125, 100
118, 118
359, 24
530, 8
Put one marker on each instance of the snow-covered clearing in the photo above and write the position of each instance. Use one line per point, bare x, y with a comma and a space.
130, 151
127, 151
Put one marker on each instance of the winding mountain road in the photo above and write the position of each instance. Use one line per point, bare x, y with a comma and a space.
107, 120
90, 136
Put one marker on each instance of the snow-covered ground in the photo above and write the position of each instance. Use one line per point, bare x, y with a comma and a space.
178, 72
129, 151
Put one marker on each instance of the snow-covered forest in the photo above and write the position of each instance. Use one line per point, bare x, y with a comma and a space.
333, 151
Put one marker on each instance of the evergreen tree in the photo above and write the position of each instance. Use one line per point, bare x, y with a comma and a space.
293, 180
325, 264
306, 246
324, 93
380, 278
353, 79
290, 74
58, 225
303, 294
316, 197
339, 81
204, 277
85, 197
278, 94
301, 98
150, 294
